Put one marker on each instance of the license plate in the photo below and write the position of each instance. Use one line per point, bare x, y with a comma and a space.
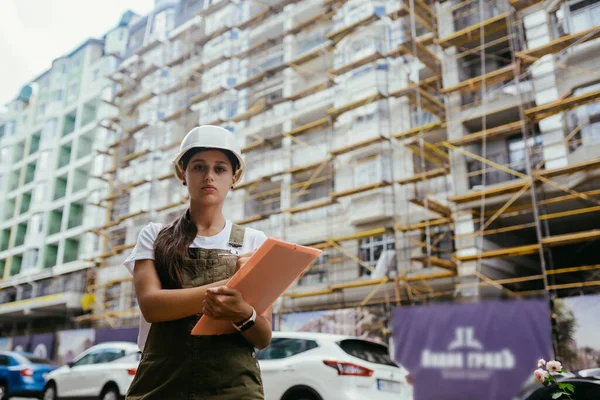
389, 386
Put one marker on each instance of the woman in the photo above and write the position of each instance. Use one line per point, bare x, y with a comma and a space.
179, 273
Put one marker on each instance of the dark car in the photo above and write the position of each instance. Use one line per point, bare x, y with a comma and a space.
22, 374
586, 383
584, 390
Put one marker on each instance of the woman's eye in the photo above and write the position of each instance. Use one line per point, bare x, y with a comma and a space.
221, 169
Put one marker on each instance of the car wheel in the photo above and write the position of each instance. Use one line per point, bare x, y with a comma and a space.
303, 396
50, 393
3, 391
110, 394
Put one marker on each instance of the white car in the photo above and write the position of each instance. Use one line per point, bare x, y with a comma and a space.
316, 366
104, 371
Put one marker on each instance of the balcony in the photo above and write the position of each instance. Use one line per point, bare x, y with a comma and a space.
470, 21
322, 99
225, 45
312, 149
371, 207
265, 163
366, 128
308, 46
362, 175
349, 19
314, 226
270, 226
59, 295
261, 65
515, 161
218, 109
361, 83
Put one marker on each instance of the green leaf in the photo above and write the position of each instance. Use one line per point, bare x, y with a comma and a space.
562, 386
557, 395
570, 387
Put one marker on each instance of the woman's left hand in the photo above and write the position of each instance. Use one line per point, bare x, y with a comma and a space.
226, 304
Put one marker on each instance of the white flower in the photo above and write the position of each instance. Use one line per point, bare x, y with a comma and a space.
553, 366
541, 362
540, 375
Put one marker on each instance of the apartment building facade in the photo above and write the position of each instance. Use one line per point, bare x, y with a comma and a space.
50, 137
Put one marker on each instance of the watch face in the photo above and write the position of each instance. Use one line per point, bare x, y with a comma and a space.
247, 325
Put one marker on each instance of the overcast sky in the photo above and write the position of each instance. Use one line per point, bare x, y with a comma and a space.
35, 32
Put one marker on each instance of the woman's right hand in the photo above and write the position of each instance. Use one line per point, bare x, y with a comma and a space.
242, 260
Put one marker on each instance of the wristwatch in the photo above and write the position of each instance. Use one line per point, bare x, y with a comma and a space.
247, 324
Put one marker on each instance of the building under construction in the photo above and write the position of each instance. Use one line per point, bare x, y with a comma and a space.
435, 151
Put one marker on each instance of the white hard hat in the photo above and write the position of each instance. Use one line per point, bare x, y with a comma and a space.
209, 137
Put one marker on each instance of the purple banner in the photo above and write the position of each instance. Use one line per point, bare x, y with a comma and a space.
472, 351
42, 345
116, 335
20, 343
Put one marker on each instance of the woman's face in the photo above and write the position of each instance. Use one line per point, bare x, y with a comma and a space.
209, 176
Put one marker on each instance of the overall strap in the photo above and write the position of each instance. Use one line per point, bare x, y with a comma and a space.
236, 239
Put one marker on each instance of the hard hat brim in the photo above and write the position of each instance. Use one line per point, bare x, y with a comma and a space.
179, 172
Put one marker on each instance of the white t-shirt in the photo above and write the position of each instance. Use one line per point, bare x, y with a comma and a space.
144, 249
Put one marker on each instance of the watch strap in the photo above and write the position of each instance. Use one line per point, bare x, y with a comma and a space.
247, 324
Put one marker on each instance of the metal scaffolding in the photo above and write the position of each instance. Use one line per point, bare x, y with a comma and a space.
443, 202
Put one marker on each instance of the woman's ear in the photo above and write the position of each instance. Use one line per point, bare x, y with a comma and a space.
234, 179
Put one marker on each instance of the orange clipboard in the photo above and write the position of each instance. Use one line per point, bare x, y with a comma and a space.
268, 273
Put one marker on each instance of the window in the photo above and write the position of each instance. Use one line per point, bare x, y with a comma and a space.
4, 360
108, 355
88, 359
317, 273
95, 75
585, 14
368, 351
59, 95
30, 259
10, 129
283, 348
100, 356
370, 249
4, 153
32, 359
517, 155
592, 132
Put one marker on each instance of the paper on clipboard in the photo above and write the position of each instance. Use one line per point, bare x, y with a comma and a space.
269, 272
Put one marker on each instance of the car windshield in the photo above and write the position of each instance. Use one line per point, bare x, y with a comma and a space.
368, 351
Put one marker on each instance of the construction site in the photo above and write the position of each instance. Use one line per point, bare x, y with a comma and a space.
435, 151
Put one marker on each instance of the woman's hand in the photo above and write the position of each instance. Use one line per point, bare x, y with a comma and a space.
226, 304
242, 260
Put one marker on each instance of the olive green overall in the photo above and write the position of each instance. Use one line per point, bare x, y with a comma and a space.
177, 365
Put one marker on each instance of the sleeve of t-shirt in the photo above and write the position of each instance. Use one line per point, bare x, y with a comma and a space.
144, 247
259, 239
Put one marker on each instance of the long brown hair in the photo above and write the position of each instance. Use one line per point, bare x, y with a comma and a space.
173, 241
171, 250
